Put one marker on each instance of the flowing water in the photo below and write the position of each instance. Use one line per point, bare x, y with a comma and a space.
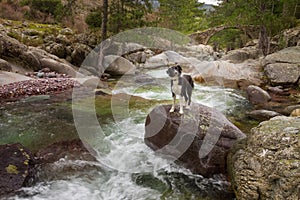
127, 168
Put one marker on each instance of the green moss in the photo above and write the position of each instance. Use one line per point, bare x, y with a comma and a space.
147, 180
12, 169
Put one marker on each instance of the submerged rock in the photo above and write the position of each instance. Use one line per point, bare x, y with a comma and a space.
262, 115
257, 95
16, 167
267, 164
199, 140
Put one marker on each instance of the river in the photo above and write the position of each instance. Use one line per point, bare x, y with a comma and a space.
127, 168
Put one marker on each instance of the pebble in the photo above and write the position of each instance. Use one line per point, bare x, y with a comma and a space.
36, 87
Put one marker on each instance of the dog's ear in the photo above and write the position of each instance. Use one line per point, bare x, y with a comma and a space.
179, 68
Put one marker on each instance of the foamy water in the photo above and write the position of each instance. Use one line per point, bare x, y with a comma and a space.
125, 156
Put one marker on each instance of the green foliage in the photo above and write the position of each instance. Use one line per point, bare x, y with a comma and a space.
48, 7
228, 39
269, 16
275, 15
184, 16
94, 19
128, 14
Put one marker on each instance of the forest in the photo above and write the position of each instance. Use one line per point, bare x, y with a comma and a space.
109, 17
88, 106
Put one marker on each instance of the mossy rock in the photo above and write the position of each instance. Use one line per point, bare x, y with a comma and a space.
16, 168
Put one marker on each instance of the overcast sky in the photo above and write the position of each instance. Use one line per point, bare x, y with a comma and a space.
214, 2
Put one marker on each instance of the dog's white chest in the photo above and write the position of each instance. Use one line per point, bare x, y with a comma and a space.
176, 88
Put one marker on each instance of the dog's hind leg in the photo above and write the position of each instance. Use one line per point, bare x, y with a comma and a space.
189, 93
173, 105
181, 104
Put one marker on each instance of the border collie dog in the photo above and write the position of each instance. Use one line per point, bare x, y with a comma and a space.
181, 85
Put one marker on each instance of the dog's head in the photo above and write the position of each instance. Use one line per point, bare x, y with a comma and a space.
174, 71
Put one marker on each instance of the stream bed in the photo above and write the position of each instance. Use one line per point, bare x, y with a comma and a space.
126, 169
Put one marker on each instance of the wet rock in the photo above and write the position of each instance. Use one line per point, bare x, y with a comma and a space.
64, 159
263, 115
16, 167
4, 65
116, 65
73, 150
266, 165
199, 140
257, 95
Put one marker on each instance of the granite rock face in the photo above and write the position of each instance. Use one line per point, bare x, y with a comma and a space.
266, 165
283, 67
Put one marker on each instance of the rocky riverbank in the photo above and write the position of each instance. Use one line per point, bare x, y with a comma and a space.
270, 83
21, 89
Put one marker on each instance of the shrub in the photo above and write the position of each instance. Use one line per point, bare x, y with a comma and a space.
94, 19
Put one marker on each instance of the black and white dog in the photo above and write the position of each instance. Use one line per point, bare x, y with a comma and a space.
181, 85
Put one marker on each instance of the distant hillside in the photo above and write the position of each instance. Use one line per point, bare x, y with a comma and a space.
71, 13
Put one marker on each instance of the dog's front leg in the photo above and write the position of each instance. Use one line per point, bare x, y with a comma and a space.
181, 104
173, 105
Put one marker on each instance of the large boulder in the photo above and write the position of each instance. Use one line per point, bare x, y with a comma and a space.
199, 140
16, 167
257, 95
240, 55
226, 74
81, 51
59, 67
266, 165
116, 65
4, 65
32, 57
57, 49
282, 73
10, 77
283, 67
160, 60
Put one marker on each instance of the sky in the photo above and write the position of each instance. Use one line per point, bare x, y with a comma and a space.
214, 2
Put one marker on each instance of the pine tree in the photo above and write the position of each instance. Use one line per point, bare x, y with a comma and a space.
268, 15
180, 15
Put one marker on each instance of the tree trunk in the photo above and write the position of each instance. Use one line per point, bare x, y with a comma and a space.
263, 40
104, 20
